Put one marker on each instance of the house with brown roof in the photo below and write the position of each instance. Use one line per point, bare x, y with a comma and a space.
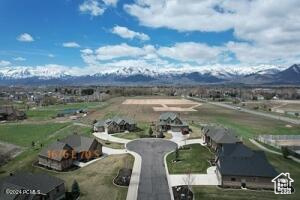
46, 187
237, 166
61, 154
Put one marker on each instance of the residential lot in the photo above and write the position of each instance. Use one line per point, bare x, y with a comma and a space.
194, 159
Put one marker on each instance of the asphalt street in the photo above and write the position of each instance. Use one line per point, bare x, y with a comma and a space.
153, 183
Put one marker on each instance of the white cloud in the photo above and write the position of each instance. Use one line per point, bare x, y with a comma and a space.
25, 37
50, 55
191, 51
4, 63
91, 7
70, 45
267, 27
110, 2
124, 32
19, 59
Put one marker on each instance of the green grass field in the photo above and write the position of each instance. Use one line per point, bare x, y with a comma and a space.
193, 160
24, 134
47, 112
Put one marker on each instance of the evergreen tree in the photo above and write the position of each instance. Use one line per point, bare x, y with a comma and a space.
75, 189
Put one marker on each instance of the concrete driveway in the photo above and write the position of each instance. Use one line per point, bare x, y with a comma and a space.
153, 184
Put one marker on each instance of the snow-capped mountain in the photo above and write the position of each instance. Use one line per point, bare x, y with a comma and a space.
126, 75
29, 72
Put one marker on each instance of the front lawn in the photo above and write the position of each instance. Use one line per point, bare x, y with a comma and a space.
193, 160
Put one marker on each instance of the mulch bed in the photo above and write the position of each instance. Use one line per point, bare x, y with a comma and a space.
123, 177
182, 193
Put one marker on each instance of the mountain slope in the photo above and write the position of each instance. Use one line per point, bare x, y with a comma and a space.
263, 74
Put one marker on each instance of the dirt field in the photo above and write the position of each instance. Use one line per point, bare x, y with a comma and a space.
173, 105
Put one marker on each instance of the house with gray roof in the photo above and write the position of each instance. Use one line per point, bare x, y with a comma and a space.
238, 166
115, 125
216, 136
61, 154
45, 186
171, 121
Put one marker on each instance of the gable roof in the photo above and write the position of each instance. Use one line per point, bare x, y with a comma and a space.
241, 161
118, 120
220, 135
37, 181
57, 146
78, 143
166, 115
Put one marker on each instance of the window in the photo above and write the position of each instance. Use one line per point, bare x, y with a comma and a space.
232, 179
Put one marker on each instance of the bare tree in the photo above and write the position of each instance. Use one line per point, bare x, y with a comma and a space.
188, 180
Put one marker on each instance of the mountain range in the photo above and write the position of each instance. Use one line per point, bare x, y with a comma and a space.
261, 74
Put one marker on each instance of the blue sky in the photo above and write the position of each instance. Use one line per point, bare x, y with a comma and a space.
101, 34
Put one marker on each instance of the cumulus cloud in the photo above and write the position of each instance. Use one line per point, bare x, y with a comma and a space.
91, 7
124, 32
4, 63
267, 28
163, 56
191, 51
70, 45
25, 37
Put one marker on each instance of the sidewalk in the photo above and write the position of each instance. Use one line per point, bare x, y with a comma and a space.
132, 192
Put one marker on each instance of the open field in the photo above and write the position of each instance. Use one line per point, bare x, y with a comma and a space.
24, 134
48, 112
193, 160
246, 125
171, 105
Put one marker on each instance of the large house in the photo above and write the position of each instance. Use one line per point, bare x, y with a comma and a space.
171, 121
115, 125
238, 166
50, 187
60, 155
9, 113
216, 136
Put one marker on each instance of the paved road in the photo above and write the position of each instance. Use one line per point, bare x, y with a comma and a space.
153, 183
285, 119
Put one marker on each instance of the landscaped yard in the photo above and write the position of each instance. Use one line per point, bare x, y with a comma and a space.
96, 180
193, 160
